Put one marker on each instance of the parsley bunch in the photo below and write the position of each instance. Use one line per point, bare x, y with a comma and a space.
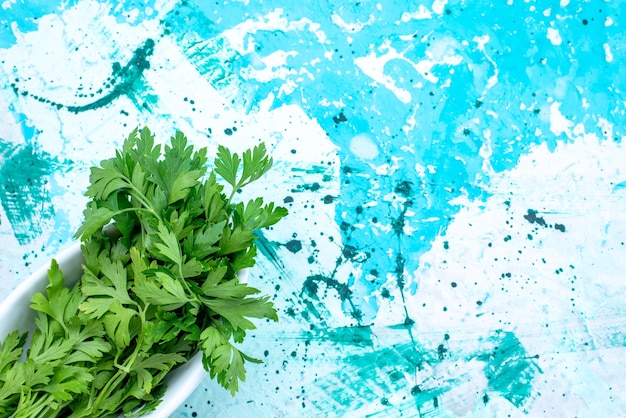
158, 286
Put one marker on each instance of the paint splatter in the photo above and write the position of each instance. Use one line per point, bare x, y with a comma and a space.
123, 81
532, 218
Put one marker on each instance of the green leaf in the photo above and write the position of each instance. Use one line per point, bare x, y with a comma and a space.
222, 359
169, 247
237, 311
53, 353
229, 290
102, 292
181, 185
117, 323
106, 179
95, 219
68, 381
169, 295
235, 240
214, 201
256, 163
61, 304
89, 345
144, 367
91, 249
213, 277
245, 258
138, 179
271, 215
227, 165
192, 268
202, 242
11, 350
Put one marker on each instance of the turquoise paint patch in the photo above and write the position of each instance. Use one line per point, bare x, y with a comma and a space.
211, 55
409, 370
24, 190
28, 130
347, 336
509, 369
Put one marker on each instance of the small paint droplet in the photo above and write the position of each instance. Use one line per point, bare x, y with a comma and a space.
294, 245
340, 118
228, 131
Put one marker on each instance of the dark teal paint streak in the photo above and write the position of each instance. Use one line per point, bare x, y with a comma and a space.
124, 81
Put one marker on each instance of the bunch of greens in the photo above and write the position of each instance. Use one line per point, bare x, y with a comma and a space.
158, 286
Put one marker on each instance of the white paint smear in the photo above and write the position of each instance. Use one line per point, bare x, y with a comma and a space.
558, 123
421, 13
352, 27
607, 52
438, 6
554, 36
364, 147
374, 67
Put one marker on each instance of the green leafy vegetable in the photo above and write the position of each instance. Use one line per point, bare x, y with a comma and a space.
159, 285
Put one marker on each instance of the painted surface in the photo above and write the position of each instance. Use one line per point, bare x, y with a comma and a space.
454, 172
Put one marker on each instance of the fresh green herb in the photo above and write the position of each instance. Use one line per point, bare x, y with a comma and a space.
158, 286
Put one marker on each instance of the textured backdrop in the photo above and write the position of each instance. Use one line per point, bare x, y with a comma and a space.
453, 169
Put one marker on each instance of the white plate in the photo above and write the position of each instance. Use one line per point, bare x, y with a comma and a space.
15, 313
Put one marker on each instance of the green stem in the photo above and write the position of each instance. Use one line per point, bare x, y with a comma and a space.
36, 409
105, 392
142, 199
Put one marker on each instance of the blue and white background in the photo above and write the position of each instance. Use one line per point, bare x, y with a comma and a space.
453, 170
